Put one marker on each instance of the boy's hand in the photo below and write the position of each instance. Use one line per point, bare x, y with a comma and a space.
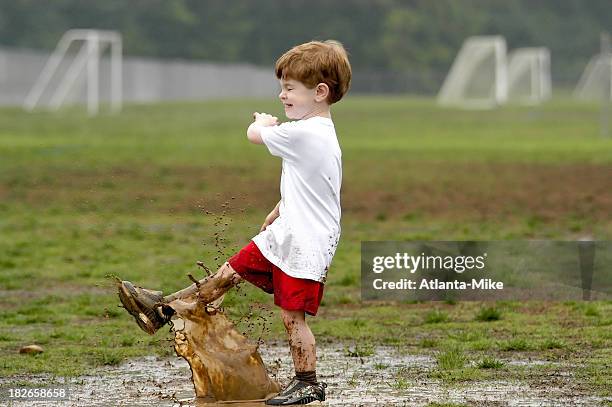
260, 120
265, 119
271, 217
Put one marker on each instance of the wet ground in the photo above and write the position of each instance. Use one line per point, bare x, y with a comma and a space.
352, 381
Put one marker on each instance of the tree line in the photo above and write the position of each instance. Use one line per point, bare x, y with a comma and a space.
416, 37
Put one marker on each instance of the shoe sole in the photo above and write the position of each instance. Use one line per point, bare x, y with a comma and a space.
126, 296
305, 400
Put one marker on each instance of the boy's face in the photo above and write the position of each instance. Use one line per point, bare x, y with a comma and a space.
299, 101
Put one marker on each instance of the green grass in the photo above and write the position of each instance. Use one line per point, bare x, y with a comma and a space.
552, 343
380, 366
428, 343
359, 351
402, 379
489, 314
489, 363
435, 316
451, 359
452, 366
592, 311
142, 194
516, 344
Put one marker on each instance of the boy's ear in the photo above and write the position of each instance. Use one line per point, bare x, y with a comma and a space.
322, 91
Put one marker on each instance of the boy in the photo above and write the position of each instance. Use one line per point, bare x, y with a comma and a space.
293, 251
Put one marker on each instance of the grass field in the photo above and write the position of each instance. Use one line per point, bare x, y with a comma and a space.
145, 194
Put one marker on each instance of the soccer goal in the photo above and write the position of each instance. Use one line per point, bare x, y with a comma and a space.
529, 75
63, 69
596, 80
478, 78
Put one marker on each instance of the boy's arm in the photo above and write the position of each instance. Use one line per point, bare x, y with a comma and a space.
260, 120
271, 217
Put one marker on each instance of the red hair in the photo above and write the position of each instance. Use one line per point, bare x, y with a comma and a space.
317, 62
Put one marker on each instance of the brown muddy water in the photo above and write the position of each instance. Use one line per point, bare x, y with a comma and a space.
352, 381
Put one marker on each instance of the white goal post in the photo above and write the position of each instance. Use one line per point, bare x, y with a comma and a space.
596, 80
93, 43
529, 79
478, 78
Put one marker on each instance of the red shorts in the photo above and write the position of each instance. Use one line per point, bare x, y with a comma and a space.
290, 293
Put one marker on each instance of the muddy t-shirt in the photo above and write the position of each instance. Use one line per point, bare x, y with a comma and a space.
303, 239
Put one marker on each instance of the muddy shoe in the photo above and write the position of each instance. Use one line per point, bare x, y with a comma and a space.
298, 392
145, 306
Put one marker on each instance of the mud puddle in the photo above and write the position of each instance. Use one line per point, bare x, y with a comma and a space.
387, 378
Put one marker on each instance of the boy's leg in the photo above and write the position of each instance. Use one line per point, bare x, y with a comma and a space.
304, 388
209, 288
301, 342
144, 305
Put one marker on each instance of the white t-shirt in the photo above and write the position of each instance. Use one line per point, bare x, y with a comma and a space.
303, 239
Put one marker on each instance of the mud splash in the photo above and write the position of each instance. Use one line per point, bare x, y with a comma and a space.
369, 381
224, 364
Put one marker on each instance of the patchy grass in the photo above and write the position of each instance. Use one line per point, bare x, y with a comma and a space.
428, 343
457, 375
359, 351
451, 359
515, 344
489, 314
402, 380
592, 311
380, 366
436, 316
552, 343
145, 194
489, 363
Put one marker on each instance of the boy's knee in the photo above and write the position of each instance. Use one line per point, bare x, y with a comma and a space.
292, 319
228, 273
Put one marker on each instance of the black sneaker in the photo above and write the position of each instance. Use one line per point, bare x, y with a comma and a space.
298, 392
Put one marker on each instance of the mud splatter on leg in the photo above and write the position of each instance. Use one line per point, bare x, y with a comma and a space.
301, 341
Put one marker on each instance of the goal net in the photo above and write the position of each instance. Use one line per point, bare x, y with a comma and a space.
529, 75
596, 80
65, 69
478, 78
